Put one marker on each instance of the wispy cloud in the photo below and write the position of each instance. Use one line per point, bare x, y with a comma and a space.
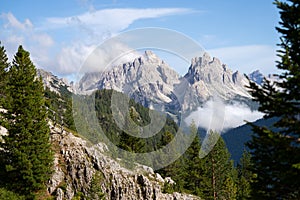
113, 19
247, 58
15, 32
91, 28
217, 115
13, 22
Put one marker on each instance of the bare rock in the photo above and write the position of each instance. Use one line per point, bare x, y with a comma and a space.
78, 164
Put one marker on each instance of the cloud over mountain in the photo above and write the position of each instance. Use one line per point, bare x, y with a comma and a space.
217, 115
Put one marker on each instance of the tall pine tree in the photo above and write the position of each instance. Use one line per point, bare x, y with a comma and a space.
276, 152
26, 150
3, 73
194, 177
219, 176
3, 79
245, 176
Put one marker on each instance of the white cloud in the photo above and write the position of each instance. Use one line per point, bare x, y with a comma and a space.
13, 22
43, 39
97, 26
216, 115
112, 19
248, 58
69, 56
88, 58
24, 33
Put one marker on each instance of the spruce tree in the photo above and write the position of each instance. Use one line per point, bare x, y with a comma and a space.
3, 73
26, 150
245, 176
132, 142
219, 175
194, 178
3, 79
276, 151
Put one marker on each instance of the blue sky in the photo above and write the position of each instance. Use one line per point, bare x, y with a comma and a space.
60, 34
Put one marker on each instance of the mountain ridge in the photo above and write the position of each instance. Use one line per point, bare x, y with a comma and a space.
150, 80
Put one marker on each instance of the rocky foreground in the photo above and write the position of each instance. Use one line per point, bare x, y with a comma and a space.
81, 167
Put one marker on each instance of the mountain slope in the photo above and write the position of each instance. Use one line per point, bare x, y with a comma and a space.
84, 170
237, 138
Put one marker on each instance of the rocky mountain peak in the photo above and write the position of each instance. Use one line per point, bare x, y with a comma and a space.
149, 80
210, 76
150, 55
256, 76
54, 83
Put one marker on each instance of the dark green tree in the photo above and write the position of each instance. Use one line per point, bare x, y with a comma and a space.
129, 138
195, 166
8, 195
3, 79
245, 176
276, 151
26, 149
219, 175
4, 65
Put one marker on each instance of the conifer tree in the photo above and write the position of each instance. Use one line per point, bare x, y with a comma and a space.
219, 175
3, 73
26, 150
245, 176
3, 79
194, 165
276, 152
132, 142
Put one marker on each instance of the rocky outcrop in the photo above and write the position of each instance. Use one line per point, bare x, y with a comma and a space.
80, 168
54, 83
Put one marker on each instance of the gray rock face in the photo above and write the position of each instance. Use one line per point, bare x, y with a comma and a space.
150, 81
147, 79
209, 77
77, 162
53, 82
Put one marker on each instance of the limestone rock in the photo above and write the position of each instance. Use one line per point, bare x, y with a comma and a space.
78, 163
153, 83
54, 83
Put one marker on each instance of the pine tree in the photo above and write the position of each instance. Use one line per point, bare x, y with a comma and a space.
3, 79
3, 73
245, 176
194, 165
219, 175
27, 154
276, 151
132, 142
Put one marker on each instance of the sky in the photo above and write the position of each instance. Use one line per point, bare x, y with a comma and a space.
61, 34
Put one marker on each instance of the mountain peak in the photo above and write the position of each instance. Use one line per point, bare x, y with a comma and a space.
256, 76
205, 60
151, 57
209, 76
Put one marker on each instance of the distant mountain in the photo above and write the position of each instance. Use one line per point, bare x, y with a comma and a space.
54, 83
147, 79
152, 82
208, 76
237, 138
256, 76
